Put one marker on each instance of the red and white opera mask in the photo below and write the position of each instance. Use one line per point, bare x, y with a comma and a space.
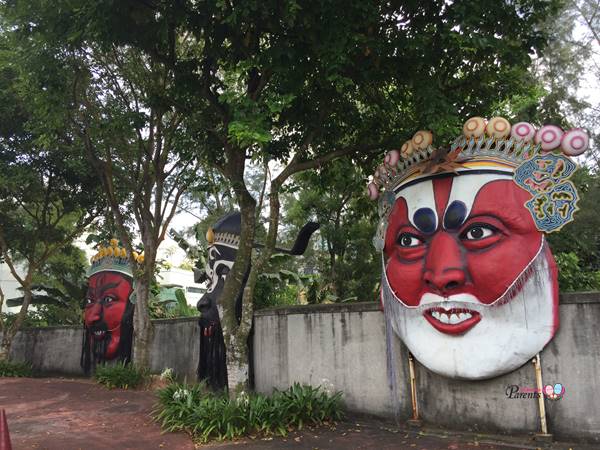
107, 305
470, 284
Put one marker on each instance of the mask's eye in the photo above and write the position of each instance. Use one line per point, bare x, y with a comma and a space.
478, 232
408, 240
108, 300
89, 301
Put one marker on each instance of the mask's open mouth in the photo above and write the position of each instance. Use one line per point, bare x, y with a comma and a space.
99, 334
452, 321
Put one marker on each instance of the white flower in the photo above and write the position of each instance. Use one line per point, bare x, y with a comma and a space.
327, 386
180, 394
167, 374
243, 398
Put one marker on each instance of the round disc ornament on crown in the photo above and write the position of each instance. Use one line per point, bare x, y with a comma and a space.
109, 307
469, 282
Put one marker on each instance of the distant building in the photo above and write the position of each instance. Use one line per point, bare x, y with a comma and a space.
10, 286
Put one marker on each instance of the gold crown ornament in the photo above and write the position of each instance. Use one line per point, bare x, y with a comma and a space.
113, 258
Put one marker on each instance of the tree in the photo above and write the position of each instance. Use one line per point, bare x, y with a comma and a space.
120, 110
47, 199
335, 197
59, 288
301, 85
137, 143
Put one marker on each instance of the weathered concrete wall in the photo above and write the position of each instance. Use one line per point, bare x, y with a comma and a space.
344, 345
50, 350
176, 345
331, 345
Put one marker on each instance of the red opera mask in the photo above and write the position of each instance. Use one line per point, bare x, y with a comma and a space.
106, 305
474, 284
469, 283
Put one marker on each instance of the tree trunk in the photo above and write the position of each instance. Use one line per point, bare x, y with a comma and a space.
237, 364
10, 332
5, 345
142, 325
236, 335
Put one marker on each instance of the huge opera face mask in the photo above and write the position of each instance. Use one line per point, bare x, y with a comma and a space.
469, 284
107, 305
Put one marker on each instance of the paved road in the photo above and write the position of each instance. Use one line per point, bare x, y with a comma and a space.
65, 414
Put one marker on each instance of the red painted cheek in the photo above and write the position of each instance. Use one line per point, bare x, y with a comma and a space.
406, 280
404, 267
494, 270
113, 314
398, 218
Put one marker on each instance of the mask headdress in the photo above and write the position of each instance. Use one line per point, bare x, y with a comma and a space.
113, 258
538, 160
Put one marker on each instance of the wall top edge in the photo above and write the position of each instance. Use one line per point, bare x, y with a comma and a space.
320, 308
566, 298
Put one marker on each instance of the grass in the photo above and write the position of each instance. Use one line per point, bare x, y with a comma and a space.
14, 369
209, 416
120, 375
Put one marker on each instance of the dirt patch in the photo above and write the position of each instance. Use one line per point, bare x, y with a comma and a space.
64, 414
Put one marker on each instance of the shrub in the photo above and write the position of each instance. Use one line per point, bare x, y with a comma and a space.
207, 416
573, 275
120, 375
15, 369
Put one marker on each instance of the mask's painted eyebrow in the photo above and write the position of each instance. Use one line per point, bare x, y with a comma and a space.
99, 290
425, 220
455, 215
106, 287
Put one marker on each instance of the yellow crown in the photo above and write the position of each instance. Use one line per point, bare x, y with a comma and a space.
113, 258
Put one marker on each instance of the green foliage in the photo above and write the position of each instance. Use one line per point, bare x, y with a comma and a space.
171, 308
208, 416
121, 375
59, 290
573, 277
44, 317
270, 292
14, 369
344, 257
283, 283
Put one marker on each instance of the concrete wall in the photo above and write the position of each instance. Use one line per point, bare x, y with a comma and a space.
344, 346
176, 345
332, 345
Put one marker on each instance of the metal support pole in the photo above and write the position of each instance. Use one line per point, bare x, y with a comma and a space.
413, 387
540, 388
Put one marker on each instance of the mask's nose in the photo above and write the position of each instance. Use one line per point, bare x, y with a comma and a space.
93, 314
444, 265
